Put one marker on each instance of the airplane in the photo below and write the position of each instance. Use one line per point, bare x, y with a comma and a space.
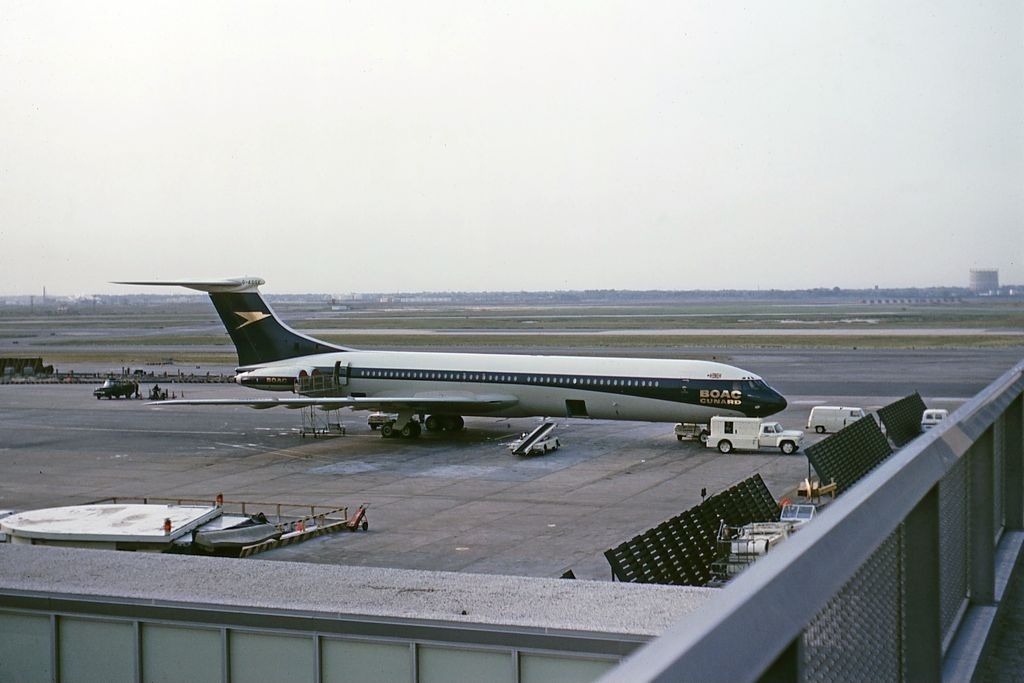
436, 390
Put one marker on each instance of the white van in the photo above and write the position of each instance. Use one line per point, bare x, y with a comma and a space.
932, 417
832, 418
752, 433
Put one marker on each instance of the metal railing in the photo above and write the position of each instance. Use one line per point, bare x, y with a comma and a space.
279, 512
899, 579
318, 385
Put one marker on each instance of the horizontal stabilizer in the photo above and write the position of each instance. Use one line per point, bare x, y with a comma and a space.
227, 285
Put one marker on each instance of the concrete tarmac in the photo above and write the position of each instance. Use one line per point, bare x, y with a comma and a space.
441, 502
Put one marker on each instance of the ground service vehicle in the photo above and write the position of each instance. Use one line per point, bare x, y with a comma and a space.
539, 447
537, 442
832, 418
378, 419
752, 433
116, 388
686, 431
932, 417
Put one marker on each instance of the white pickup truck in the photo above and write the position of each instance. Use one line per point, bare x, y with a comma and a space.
752, 434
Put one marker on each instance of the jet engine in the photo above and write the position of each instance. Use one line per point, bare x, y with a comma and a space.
274, 378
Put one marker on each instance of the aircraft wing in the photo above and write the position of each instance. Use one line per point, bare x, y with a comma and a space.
451, 403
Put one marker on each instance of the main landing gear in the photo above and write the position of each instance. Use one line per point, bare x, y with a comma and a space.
407, 427
410, 431
445, 423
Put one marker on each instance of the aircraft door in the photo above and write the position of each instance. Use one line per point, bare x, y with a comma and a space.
575, 408
342, 373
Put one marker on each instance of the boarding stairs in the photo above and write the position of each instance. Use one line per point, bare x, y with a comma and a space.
318, 421
543, 430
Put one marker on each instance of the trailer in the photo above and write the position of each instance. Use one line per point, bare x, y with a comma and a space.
688, 431
740, 546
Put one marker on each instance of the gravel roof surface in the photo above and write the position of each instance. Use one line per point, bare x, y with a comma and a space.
588, 606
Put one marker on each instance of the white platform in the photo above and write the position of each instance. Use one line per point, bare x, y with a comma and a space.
107, 523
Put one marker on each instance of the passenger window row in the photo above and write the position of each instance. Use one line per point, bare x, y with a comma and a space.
508, 379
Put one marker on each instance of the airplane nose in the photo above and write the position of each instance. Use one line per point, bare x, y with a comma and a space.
769, 403
775, 403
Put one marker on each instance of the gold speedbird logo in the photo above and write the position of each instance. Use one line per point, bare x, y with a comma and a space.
250, 317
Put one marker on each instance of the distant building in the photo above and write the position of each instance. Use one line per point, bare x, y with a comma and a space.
984, 281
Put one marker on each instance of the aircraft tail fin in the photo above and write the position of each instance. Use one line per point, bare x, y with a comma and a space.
258, 334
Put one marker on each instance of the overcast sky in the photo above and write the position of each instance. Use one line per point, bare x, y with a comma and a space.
383, 146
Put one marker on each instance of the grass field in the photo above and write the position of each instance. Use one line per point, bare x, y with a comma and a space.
623, 319
612, 341
192, 333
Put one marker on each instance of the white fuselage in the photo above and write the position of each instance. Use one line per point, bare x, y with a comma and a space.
656, 390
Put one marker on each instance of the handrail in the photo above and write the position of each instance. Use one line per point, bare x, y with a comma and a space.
244, 506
